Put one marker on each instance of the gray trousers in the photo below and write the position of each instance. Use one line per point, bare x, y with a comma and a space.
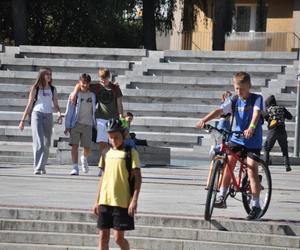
41, 125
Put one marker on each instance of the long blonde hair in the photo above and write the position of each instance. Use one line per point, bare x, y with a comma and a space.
41, 77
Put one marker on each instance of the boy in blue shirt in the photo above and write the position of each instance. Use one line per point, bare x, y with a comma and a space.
80, 117
247, 119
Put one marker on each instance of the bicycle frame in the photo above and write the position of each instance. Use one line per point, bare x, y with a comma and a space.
236, 182
225, 151
220, 168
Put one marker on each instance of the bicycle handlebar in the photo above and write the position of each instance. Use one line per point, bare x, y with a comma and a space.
222, 131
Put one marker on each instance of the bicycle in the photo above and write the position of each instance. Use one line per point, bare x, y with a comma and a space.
239, 183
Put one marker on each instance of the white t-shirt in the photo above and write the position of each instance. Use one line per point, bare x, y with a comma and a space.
86, 108
44, 101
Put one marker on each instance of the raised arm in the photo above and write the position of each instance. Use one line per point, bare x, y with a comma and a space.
210, 116
74, 93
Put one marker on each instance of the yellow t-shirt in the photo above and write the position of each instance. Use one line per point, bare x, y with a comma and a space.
115, 187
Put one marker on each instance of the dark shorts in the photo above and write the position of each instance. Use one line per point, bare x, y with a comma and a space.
114, 217
251, 152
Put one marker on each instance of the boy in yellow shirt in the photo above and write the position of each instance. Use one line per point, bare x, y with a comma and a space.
115, 206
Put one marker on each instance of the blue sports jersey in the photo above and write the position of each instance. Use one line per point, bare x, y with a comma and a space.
243, 116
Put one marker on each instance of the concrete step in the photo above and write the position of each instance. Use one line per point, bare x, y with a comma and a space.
64, 65
154, 232
19, 91
64, 227
29, 51
144, 123
24, 160
180, 82
159, 220
285, 58
22, 246
135, 242
29, 77
149, 155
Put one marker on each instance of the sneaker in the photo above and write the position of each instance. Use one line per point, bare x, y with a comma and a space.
220, 202
84, 164
75, 171
211, 152
37, 172
43, 171
254, 213
288, 169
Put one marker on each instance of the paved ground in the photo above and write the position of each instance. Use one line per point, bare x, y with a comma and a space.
177, 190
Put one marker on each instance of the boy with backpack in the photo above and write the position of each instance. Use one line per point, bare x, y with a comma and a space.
275, 115
119, 187
80, 117
246, 108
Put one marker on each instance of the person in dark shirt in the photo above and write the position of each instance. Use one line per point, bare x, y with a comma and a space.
275, 115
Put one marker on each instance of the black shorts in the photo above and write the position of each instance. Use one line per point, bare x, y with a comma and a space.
253, 153
114, 217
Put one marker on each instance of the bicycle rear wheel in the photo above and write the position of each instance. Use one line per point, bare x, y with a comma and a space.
212, 189
265, 188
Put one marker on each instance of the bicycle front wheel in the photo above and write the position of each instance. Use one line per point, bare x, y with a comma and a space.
212, 188
265, 188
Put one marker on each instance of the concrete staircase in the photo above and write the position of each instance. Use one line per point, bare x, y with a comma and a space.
168, 91
44, 229
181, 86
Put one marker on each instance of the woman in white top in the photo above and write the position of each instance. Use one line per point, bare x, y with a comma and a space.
41, 97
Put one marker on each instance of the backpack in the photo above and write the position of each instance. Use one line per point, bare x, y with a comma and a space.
233, 107
128, 160
276, 116
35, 99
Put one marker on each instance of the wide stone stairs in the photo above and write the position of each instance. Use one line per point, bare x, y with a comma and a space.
181, 86
168, 91
46, 229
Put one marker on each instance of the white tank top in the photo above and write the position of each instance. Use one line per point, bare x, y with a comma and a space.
44, 101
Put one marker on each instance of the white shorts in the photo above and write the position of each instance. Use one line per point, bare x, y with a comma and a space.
101, 133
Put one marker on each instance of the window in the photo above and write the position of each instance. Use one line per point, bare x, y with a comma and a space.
249, 18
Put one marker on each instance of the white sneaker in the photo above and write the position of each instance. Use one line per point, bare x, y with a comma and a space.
211, 151
37, 172
84, 164
75, 171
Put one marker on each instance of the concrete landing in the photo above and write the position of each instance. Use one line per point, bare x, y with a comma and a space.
169, 190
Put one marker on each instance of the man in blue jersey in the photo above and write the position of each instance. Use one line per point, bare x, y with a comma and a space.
248, 107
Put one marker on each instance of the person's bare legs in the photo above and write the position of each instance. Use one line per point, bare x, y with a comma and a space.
74, 153
104, 239
86, 152
226, 175
253, 177
120, 240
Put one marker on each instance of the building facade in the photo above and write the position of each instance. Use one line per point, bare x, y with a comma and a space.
276, 27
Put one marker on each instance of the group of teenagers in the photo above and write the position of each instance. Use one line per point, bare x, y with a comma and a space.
100, 106
89, 106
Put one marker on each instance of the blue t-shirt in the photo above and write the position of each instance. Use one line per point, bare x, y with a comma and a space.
243, 116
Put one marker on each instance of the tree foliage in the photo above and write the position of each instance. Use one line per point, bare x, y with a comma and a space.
106, 23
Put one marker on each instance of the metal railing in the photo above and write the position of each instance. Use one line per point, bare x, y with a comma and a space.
261, 41
238, 41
